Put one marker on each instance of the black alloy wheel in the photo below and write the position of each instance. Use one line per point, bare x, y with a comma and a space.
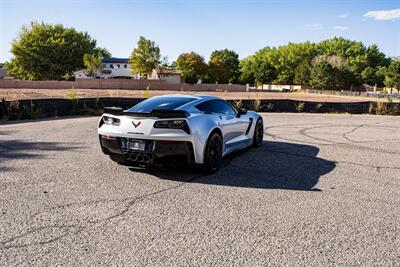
258, 133
213, 155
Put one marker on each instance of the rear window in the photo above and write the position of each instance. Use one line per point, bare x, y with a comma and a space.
161, 103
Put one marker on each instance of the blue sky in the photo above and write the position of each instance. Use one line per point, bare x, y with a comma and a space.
204, 26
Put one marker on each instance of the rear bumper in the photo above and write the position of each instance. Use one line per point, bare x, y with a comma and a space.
156, 152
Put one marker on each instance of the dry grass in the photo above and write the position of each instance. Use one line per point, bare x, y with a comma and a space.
256, 104
382, 108
237, 104
299, 106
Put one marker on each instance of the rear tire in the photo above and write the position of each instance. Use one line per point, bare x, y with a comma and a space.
258, 133
213, 155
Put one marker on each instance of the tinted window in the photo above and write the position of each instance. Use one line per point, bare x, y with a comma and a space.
224, 108
206, 106
216, 106
163, 103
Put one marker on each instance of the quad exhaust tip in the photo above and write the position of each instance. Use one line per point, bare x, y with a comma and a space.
143, 158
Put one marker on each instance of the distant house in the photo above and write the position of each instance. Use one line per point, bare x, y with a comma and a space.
170, 75
117, 68
112, 68
81, 74
120, 68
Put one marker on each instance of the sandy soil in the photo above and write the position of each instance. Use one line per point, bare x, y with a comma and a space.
19, 94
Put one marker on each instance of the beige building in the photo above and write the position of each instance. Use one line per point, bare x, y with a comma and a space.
170, 75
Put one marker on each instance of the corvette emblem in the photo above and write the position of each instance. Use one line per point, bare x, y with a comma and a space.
136, 124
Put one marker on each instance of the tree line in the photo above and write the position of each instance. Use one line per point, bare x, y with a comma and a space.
53, 52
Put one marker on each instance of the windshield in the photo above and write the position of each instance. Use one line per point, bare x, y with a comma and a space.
160, 103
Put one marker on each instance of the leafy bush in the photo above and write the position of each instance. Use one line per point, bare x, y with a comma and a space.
146, 93
72, 96
299, 106
98, 105
3, 109
318, 107
269, 107
237, 104
15, 110
256, 104
35, 112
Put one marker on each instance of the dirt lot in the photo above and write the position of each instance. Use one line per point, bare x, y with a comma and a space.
18, 94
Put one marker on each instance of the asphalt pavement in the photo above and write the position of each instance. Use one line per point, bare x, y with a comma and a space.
323, 190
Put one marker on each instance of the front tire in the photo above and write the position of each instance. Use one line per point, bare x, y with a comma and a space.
213, 155
258, 133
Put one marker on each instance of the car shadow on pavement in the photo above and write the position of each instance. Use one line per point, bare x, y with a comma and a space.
274, 165
21, 149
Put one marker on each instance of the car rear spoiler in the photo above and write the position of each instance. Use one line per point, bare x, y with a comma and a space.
159, 113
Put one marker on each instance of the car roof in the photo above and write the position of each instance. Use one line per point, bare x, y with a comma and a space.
190, 106
200, 98
207, 96
197, 96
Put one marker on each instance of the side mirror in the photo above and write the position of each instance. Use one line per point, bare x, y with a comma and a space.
241, 111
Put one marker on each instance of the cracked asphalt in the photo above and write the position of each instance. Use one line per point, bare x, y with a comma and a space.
323, 190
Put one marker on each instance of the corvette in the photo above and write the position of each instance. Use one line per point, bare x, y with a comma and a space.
173, 129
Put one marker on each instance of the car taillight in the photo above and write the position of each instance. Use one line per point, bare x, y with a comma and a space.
173, 124
111, 120
108, 137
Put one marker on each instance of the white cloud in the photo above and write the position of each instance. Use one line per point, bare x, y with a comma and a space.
341, 28
383, 14
342, 16
314, 26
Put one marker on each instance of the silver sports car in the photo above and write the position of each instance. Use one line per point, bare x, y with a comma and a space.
171, 129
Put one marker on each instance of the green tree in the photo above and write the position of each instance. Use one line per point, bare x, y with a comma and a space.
302, 73
392, 74
352, 63
247, 70
101, 52
364, 62
145, 57
323, 75
344, 78
164, 62
92, 63
279, 65
374, 61
224, 66
288, 57
192, 67
264, 66
372, 76
48, 52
